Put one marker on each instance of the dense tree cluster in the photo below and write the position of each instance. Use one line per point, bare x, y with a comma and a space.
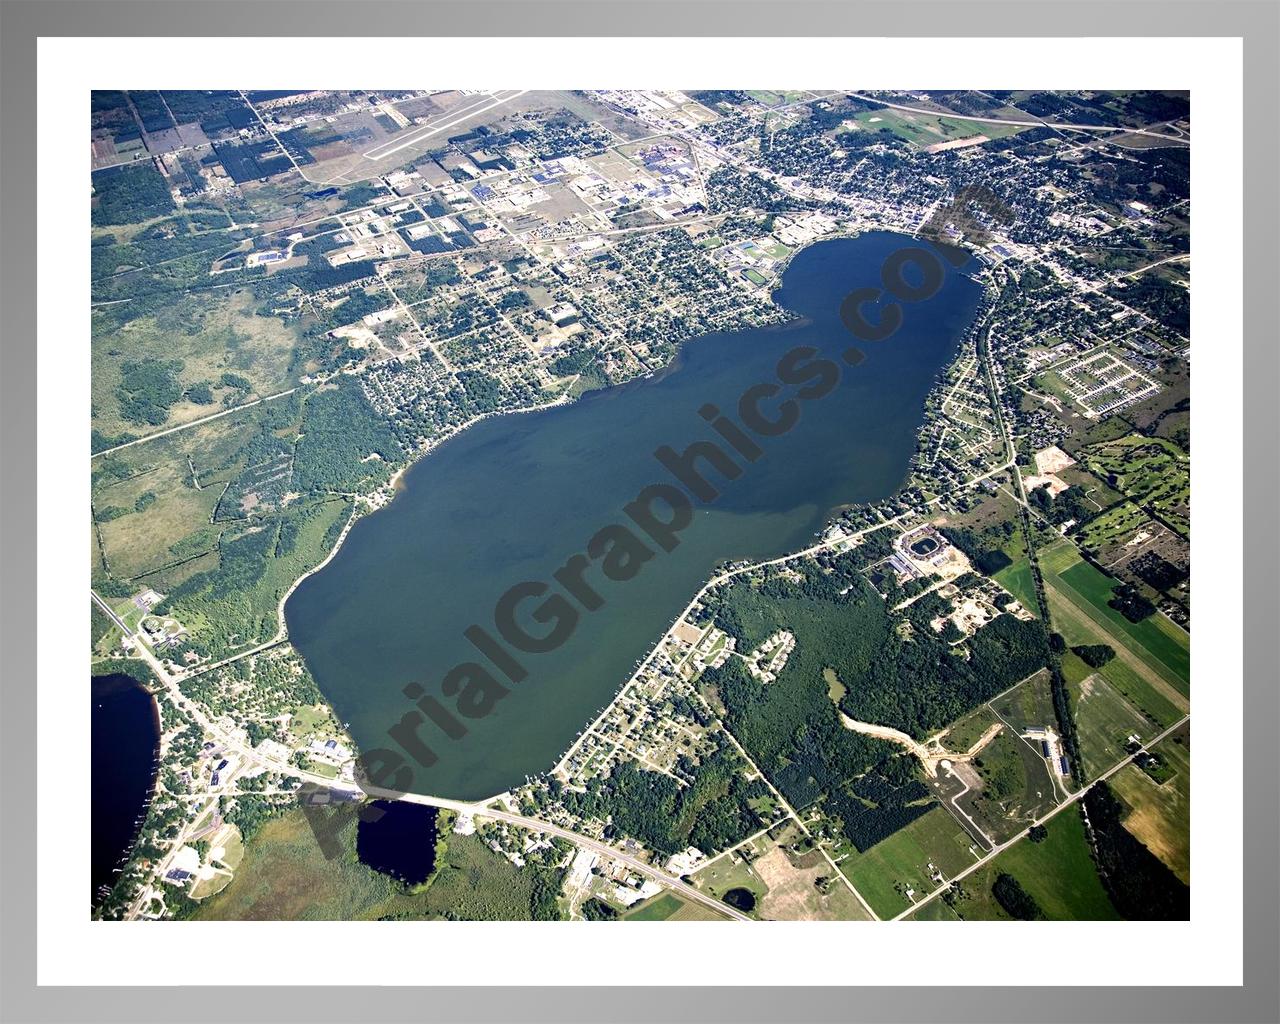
1130, 603
875, 806
1094, 655
148, 387
598, 910
1071, 505
1016, 901
126, 195
339, 433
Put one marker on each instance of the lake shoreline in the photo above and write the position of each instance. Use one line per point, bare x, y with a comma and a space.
460, 536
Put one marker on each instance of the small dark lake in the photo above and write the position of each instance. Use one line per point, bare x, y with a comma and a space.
513, 498
125, 745
740, 899
401, 843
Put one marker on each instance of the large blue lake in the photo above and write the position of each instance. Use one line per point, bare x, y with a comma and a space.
513, 498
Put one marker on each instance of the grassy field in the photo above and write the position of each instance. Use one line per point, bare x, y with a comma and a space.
1030, 703
792, 882
657, 908
285, 876
1104, 721
171, 527
1017, 788
727, 873
211, 334
1016, 579
922, 129
1160, 813
961, 735
1058, 873
667, 906
902, 860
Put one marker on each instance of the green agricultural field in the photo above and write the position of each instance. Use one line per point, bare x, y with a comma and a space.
1058, 874
1159, 813
1160, 642
1104, 721
1155, 646
883, 873
1142, 694
656, 908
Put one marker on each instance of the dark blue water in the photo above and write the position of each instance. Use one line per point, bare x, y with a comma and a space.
401, 843
125, 745
514, 497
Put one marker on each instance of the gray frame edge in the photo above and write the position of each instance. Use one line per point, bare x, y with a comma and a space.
23, 21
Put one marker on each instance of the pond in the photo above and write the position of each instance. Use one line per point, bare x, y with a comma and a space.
401, 842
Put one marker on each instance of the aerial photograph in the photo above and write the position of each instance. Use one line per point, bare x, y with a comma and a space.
640, 505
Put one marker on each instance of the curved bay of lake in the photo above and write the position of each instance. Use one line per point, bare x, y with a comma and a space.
513, 497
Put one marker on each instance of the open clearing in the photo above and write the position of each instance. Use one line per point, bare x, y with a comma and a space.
1058, 874
883, 873
793, 894
1104, 721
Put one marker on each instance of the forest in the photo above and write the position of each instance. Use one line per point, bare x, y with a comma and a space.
148, 387
127, 195
340, 430
879, 803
